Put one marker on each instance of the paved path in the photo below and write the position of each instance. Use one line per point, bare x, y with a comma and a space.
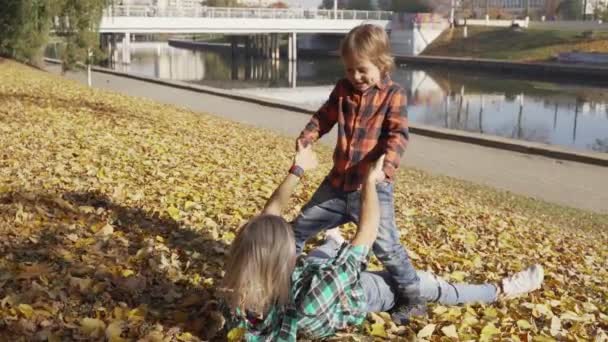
567, 183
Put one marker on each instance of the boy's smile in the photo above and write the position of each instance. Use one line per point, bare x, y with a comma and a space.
361, 72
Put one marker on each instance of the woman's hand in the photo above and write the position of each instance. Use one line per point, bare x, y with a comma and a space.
305, 157
375, 173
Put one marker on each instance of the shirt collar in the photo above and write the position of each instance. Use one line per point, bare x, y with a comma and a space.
385, 82
380, 85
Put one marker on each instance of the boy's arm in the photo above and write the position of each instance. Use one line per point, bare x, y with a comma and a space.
396, 124
304, 160
323, 120
370, 206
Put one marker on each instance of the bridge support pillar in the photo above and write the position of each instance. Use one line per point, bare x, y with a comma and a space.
234, 46
126, 48
275, 47
289, 47
113, 49
267, 46
247, 47
293, 46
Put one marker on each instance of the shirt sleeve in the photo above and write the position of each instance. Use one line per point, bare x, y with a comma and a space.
396, 126
328, 281
323, 120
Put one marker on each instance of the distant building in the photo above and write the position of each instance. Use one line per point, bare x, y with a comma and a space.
510, 8
179, 3
256, 3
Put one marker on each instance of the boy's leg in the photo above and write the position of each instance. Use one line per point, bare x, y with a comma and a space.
436, 289
388, 248
326, 209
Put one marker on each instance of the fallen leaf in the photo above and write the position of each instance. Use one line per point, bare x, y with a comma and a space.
427, 331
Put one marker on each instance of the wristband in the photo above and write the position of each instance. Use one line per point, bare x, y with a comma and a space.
297, 171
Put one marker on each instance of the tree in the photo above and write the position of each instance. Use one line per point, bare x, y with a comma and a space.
570, 9
329, 4
407, 6
362, 5
25, 28
221, 3
601, 11
78, 24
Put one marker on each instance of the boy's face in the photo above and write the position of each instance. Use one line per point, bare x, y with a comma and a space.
361, 72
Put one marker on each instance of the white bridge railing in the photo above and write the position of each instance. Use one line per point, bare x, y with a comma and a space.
243, 12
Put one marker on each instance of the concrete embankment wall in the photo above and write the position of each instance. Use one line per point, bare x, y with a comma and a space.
555, 71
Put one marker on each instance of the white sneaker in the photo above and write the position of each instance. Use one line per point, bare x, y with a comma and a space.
523, 282
334, 234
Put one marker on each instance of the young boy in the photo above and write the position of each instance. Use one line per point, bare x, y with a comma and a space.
370, 110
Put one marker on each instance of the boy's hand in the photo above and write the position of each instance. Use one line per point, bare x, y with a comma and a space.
305, 157
375, 174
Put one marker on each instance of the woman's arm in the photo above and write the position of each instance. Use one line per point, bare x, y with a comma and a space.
304, 160
370, 206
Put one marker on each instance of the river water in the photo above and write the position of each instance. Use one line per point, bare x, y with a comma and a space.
574, 115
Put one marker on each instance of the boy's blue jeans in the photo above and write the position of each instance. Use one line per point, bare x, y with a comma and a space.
329, 208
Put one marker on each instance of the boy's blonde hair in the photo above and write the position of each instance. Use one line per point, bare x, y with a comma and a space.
259, 266
371, 42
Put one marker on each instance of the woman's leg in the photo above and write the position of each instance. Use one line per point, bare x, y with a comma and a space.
327, 250
380, 291
436, 289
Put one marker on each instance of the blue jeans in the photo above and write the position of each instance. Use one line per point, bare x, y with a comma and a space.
329, 208
380, 292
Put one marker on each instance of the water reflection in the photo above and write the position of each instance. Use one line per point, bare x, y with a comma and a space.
553, 113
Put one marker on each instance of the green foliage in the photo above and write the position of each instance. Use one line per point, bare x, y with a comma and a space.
78, 26
407, 6
222, 3
362, 5
25, 26
329, 4
601, 12
570, 9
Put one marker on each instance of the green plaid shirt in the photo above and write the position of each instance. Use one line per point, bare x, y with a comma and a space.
326, 296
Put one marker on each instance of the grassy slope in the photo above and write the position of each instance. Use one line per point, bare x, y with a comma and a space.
117, 212
504, 43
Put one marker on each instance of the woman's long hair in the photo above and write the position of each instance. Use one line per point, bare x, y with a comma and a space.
259, 266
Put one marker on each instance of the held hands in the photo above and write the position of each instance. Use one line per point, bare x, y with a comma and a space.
305, 157
375, 174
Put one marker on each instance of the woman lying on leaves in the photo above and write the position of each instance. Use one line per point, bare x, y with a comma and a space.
273, 295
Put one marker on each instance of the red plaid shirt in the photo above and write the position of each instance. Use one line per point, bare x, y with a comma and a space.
369, 124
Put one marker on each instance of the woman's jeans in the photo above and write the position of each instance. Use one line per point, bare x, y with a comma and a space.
380, 292
329, 208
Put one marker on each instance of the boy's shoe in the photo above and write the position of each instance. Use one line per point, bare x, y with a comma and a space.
402, 313
523, 282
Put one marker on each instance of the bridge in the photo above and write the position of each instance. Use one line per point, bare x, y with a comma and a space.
261, 28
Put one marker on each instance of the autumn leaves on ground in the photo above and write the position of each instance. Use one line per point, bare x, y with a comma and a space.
116, 214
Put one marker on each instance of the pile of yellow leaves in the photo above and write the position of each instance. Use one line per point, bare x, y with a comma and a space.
116, 214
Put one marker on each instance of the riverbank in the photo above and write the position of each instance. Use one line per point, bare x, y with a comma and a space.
591, 74
522, 45
517, 173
